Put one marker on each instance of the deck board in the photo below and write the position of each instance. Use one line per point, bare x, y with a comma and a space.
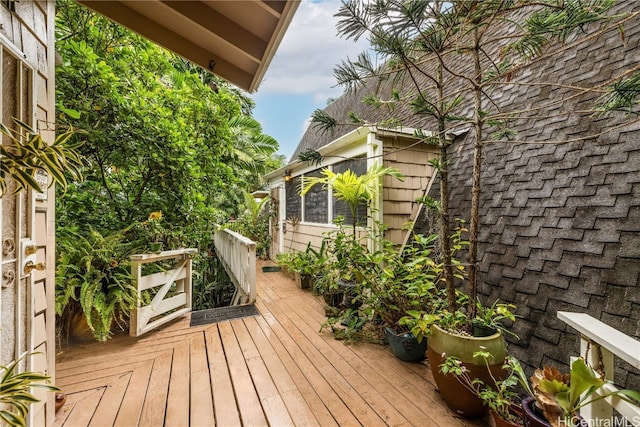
275, 369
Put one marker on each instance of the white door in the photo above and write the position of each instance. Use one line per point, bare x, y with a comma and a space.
27, 319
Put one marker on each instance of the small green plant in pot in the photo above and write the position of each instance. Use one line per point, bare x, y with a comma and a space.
398, 284
499, 394
305, 265
155, 229
285, 262
489, 319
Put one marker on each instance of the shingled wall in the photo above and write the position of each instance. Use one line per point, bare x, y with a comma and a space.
560, 222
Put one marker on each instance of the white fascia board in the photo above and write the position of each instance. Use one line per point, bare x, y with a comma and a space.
339, 147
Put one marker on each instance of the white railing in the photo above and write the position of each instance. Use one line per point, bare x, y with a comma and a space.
238, 256
598, 344
172, 297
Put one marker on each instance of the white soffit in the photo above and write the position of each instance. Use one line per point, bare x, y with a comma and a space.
235, 39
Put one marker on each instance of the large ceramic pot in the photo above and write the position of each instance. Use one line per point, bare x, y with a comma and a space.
443, 344
405, 346
533, 416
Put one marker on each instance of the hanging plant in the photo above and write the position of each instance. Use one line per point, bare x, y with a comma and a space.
27, 153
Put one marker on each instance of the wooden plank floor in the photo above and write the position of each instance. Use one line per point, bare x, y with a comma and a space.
275, 369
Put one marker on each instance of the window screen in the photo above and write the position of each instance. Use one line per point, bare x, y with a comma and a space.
294, 203
316, 202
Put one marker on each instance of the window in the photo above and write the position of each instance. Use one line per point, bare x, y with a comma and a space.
293, 201
16, 89
316, 202
315, 206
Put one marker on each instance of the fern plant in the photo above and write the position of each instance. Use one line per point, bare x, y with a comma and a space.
93, 279
15, 394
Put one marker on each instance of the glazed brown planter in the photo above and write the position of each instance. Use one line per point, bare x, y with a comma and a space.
515, 410
443, 344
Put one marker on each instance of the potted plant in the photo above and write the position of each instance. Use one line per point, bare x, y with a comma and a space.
327, 286
499, 394
94, 292
557, 397
450, 68
348, 250
155, 230
285, 262
401, 283
307, 264
489, 319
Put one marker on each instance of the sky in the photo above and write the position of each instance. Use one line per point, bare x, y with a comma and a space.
300, 77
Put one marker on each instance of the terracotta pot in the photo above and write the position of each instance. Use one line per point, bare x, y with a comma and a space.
443, 344
533, 417
405, 346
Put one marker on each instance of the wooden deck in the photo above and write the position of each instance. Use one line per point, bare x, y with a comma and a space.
274, 369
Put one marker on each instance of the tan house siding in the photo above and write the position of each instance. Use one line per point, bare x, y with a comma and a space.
297, 238
399, 205
28, 33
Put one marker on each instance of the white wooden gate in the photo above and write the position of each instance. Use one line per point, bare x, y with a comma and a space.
171, 289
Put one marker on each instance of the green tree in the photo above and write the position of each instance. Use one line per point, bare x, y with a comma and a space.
162, 134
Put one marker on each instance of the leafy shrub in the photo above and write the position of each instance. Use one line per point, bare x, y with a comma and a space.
93, 278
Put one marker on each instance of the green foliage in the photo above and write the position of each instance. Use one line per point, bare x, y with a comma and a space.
28, 153
15, 392
212, 286
451, 65
162, 134
354, 190
623, 95
493, 316
93, 279
254, 222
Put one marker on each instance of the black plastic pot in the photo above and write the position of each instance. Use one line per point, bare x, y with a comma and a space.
333, 298
405, 346
480, 330
351, 296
